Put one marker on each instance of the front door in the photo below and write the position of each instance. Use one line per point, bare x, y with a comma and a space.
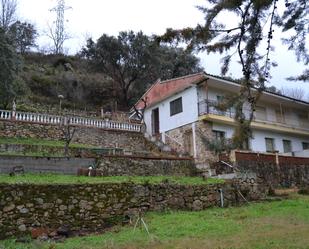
155, 123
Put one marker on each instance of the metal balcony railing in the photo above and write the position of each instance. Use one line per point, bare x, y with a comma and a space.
210, 107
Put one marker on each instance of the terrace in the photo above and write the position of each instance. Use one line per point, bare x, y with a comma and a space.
208, 110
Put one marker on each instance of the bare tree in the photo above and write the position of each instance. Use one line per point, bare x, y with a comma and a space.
7, 13
68, 133
296, 93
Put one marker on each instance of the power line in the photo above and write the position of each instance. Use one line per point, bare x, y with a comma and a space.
59, 34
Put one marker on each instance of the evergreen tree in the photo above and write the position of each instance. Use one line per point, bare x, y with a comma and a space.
10, 84
133, 61
23, 36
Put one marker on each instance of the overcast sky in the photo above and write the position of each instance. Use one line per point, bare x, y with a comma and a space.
92, 18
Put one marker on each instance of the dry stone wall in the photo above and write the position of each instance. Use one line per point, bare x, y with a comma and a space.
127, 166
282, 175
92, 207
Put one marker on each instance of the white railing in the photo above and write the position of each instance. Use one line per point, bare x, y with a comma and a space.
75, 121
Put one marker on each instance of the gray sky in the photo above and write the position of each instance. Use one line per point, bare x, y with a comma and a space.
92, 18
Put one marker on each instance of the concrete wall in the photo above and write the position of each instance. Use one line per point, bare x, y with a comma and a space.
95, 206
109, 165
44, 165
168, 122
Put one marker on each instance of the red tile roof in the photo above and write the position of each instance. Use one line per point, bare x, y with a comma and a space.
161, 90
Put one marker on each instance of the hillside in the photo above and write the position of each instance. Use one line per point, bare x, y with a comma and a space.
48, 76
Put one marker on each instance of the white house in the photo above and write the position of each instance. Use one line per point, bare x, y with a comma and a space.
182, 110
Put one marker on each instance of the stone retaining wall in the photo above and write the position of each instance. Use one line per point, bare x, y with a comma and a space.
134, 166
84, 135
92, 207
282, 175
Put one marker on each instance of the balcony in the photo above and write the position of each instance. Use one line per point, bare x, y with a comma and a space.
208, 111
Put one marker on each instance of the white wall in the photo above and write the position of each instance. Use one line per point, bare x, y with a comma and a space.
229, 130
258, 141
168, 122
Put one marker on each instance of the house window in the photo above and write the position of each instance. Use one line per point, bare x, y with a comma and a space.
220, 98
219, 135
287, 146
176, 106
270, 144
305, 146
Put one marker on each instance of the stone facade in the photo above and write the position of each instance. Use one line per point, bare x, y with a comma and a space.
184, 137
92, 207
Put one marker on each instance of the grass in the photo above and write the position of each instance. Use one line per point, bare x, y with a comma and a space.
69, 179
41, 142
32, 154
271, 225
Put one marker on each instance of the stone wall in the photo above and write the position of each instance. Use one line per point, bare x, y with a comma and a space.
282, 175
85, 135
92, 207
276, 170
182, 135
131, 166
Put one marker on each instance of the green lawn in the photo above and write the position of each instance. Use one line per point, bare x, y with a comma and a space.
68, 179
270, 225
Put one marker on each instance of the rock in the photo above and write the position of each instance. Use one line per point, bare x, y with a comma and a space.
64, 231
197, 205
24, 210
43, 237
22, 228
40, 201
62, 207
38, 232
52, 234
9, 208
59, 201
20, 207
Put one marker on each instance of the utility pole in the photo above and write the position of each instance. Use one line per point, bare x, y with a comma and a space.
58, 34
